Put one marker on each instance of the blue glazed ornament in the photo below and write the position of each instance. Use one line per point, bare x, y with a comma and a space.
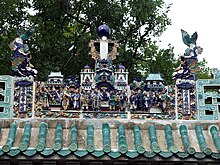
103, 30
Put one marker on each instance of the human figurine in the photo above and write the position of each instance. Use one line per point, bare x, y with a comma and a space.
71, 92
117, 101
157, 102
147, 100
90, 100
54, 97
124, 100
104, 97
65, 98
21, 57
76, 99
140, 100
112, 101
120, 101
16, 94
37, 99
133, 101
154, 99
164, 101
96, 100
45, 98
161, 103
183, 71
84, 100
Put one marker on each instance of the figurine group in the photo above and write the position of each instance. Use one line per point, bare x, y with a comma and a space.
106, 88
56, 97
142, 100
72, 98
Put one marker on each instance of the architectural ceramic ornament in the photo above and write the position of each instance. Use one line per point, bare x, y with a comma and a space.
151, 99
21, 57
188, 68
104, 76
185, 76
104, 43
102, 91
6, 95
23, 97
208, 97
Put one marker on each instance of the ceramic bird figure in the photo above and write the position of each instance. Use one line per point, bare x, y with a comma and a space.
25, 35
187, 39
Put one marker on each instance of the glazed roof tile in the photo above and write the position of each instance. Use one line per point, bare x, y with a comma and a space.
55, 74
114, 139
154, 77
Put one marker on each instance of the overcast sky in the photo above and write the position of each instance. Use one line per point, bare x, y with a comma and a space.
202, 16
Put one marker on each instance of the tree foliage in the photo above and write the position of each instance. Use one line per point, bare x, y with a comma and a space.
161, 61
62, 23
13, 14
205, 72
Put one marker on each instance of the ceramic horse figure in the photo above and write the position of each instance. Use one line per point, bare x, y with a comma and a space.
189, 62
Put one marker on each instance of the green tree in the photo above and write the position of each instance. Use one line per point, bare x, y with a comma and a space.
161, 61
205, 71
63, 23
13, 15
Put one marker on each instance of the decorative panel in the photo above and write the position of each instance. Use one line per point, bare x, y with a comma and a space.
5, 96
208, 97
23, 97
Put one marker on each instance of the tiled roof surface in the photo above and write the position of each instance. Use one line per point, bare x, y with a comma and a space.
154, 77
111, 138
55, 74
